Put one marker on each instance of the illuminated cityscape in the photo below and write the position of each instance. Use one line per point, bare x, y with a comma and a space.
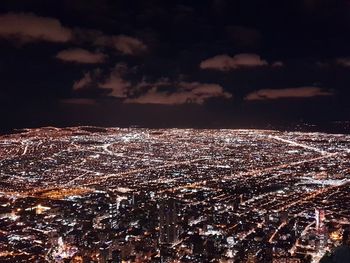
89, 194
211, 131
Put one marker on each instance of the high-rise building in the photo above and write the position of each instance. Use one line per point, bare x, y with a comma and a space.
113, 214
241, 199
319, 217
321, 232
168, 221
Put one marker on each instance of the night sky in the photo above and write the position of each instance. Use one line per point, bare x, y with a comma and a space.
157, 63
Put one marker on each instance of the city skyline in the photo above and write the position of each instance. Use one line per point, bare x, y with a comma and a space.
172, 195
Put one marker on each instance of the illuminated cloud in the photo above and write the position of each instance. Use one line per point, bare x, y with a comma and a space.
345, 62
27, 27
128, 45
277, 64
113, 85
186, 92
225, 62
79, 55
89, 81
272, 94
162, 91
117, 86
84, 82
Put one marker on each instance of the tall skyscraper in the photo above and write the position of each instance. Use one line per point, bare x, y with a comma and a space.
319, 217
168, 221
113, 215
321, 232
